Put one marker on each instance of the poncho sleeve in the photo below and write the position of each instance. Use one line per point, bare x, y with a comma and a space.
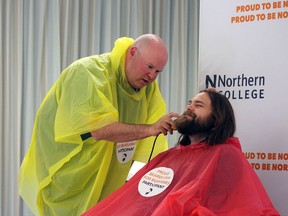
82, 103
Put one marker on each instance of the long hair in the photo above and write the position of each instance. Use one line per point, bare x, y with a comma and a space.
223, 115
222, 112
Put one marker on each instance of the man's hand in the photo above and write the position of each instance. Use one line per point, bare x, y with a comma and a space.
164, 125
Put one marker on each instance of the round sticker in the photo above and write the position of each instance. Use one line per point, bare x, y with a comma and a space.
125, 151
155, 181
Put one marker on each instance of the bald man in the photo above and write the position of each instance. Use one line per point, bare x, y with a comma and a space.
99, 116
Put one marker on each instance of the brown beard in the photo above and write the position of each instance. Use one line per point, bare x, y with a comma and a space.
189, 124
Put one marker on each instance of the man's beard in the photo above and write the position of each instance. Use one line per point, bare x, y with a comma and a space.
190, 124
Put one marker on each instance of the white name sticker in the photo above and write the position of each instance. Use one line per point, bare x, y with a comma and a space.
125, 151
155, 181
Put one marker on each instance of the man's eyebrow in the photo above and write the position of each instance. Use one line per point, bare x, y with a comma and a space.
153, 66
197, 102
149, 64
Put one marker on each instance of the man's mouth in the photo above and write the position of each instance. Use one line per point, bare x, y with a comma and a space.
189, 114
145, 82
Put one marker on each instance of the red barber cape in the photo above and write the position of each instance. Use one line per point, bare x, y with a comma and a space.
194, 180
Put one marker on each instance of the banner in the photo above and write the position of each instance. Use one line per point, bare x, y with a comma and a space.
243, 52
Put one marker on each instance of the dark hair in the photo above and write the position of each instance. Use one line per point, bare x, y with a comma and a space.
223, 114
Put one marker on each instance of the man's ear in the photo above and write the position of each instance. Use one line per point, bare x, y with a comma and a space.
133, 51
215, 122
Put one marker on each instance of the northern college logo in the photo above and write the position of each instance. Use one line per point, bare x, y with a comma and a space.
239, 87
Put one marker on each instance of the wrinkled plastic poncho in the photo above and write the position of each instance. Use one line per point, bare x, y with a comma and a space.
63, 175
208, 181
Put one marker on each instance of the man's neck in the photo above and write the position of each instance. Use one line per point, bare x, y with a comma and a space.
197, 138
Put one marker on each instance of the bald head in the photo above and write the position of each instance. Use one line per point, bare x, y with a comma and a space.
145, 59
151, 42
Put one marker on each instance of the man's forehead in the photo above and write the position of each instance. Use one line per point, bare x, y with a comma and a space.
201, 98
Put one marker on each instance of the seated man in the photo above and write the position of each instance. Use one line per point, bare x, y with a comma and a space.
206, 174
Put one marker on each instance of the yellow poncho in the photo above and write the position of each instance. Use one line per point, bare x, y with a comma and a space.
63, 175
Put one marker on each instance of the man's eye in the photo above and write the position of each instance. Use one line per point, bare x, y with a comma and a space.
198, 105
149, 66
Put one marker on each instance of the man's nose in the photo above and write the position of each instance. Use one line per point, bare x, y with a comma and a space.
190, 107
152, 75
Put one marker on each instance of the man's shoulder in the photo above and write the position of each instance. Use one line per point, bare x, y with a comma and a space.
93, 59
231, 149
232, 142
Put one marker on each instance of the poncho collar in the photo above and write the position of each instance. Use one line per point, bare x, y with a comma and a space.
230, 141
118, 56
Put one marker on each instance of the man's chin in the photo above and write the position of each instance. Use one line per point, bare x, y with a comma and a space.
183, 119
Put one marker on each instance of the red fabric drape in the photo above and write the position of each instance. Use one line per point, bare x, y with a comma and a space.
208, 181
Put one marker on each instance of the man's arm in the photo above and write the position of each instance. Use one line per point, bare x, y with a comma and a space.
121, 132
